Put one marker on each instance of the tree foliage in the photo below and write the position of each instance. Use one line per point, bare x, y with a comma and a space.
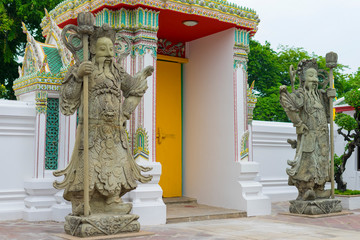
350, 130
13, 40
263, 68
270, 69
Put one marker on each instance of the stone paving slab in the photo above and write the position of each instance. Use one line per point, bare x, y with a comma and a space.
348, 222
274, 227
255, 228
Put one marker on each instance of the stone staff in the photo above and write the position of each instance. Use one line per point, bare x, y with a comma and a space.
331, 62
85, 28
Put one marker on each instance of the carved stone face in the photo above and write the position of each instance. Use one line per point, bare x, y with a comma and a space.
311, 79
104, 50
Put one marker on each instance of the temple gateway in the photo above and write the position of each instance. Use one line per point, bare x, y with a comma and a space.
193, 125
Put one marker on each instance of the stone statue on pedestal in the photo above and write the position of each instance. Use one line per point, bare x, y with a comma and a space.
112, 171
308, 109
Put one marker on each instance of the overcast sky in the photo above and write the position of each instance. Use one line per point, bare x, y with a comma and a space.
319, 26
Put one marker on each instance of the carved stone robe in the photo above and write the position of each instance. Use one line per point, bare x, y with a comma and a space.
112, 169
311, 163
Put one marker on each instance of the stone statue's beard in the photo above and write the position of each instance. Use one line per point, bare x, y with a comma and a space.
104, 66
313, 94
103, 62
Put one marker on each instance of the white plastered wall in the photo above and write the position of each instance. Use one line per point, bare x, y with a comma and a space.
17, 135
210, 172
271, 150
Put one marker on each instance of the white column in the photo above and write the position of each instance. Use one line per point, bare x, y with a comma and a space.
252, 199
67, 134
149, 106
147, 198
40, 144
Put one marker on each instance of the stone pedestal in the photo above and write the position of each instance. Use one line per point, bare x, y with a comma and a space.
101, 224
315, 207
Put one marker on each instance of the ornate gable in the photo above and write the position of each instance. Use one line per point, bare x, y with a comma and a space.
33, 45
54, 38
29, 65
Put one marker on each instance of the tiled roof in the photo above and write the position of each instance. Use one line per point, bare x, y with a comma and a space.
53, 59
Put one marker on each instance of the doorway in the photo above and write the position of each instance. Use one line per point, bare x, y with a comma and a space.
169, 124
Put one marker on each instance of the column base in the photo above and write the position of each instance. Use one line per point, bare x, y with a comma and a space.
254, 202
39, 200
147, 198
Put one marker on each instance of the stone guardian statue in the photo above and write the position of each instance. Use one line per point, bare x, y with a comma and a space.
308, 109
111, 169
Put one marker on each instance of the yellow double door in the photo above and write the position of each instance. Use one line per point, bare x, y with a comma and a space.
169, 126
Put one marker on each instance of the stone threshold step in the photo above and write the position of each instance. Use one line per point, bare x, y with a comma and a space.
205, 217
179, 200
198, 212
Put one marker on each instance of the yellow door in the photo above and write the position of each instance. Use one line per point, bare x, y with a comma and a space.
168, 127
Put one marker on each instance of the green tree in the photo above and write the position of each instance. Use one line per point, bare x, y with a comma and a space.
13, 40
268, 107
350, 130
270, 69
263, 68
353, 81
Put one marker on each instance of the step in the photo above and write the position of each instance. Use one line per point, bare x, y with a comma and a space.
179, 200
177, 213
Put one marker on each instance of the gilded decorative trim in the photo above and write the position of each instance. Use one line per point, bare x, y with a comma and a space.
242, 37
141, 143
244, 146
240, 63
251, 101
141, 49
41, 102
216, 9
38, 81
135, 19
172, 59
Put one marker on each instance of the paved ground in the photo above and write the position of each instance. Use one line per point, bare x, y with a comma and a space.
274, 227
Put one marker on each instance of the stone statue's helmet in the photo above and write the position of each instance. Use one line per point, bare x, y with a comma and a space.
104, 31
304, 65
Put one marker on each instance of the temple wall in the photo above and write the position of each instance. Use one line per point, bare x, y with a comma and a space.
271, 150
17, 145
209, 158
